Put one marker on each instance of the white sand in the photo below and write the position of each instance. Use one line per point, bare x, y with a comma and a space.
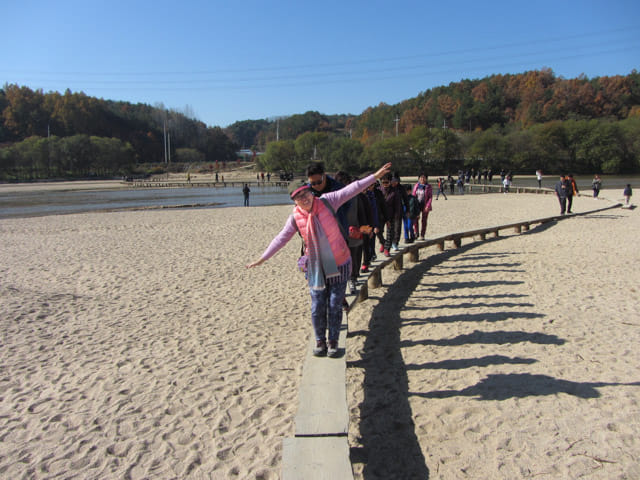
136, 345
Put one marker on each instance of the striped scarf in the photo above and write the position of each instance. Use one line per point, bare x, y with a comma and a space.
322, 264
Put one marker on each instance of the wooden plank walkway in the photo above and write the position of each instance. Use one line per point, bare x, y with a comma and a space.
320, 448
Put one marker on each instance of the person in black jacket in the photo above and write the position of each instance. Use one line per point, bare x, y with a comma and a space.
394, 199
358, 215
561, 192
379, 217
322, 183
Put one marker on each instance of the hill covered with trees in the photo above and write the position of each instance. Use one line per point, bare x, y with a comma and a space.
48, 135
520, 122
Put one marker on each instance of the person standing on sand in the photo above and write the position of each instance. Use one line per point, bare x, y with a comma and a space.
441, 188
596, 185
627, 193
328, 262
561, 193
245, 192
572, 189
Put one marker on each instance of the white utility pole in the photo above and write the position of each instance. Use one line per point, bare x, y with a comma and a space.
165, 140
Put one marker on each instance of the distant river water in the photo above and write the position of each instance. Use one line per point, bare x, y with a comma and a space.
16, 203
31, 203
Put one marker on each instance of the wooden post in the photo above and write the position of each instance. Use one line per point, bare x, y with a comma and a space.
397, 262
457, 241
496, 233
375, 279
441, 246
414, 255
363, 294
483, 236
517, 228
525, 227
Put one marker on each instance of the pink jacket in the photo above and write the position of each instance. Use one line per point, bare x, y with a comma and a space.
329, 223
428, 196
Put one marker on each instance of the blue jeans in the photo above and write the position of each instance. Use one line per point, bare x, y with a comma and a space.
327, 305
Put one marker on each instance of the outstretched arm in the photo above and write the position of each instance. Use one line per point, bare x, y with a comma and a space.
277, 243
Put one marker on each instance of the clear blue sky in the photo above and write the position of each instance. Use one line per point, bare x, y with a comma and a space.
239, 60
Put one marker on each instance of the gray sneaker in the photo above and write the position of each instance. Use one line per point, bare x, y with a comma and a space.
333, 349
321, 348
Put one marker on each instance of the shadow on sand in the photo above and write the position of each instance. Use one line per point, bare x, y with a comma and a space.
389, 445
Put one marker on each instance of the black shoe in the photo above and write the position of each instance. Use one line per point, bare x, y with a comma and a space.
321, 348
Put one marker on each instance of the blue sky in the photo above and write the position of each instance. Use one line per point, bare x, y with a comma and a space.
238, 60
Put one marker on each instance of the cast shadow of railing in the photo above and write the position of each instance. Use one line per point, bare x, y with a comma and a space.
390, 447
519, 385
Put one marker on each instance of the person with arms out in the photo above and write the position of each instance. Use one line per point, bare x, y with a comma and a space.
328, 258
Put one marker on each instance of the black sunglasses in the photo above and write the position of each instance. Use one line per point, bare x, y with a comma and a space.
317, 182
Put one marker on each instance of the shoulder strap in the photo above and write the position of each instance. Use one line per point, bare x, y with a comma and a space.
328, 205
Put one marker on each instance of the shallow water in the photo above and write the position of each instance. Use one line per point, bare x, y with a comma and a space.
33, 203
39, 203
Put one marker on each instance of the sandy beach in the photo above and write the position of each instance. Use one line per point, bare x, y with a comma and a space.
136, 345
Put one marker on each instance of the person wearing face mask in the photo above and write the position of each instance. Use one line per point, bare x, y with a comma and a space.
328, 262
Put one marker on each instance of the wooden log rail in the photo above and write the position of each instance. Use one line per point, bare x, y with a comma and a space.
320, 448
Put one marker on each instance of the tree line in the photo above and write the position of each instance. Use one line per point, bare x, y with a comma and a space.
520, 122
44, 135
578, 146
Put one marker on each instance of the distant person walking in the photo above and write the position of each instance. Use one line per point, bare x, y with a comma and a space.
627, 193
596, 185
245, 191
561, 193
539, 178
572, 190
441, 188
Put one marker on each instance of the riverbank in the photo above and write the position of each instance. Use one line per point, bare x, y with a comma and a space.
137, 344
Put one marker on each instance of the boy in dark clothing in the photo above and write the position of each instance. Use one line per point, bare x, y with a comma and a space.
393, 196
411, 212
